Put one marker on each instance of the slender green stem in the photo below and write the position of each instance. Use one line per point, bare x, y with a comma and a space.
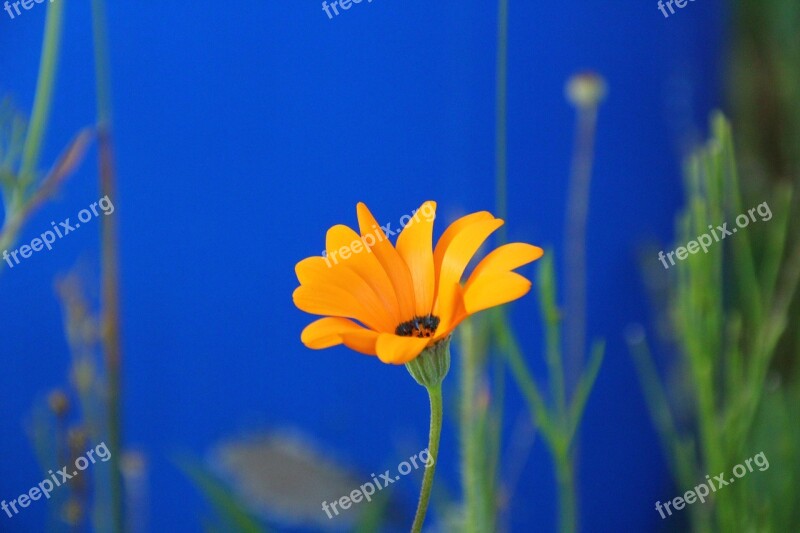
575, 245
501, 178
101, 62
470, 445
435, 395
565, 474
48, 67
112, 342
15, 203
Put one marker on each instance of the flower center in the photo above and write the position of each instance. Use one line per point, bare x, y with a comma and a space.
419, 326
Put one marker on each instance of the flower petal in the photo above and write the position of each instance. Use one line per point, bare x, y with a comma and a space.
363, 262
361, 341
491, 290
390, 259
452, 313
398, 350
313, 271
340, 292
453, 230
505, 259
457, 256
415, 246
327, 332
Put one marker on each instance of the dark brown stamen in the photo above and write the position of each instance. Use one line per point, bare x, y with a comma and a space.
419, 326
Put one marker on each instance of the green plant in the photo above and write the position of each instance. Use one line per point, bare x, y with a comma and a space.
727, 311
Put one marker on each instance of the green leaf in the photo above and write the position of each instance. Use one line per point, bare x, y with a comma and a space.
219, 496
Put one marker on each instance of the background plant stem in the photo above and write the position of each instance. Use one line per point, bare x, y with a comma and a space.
501, 82
565, 477
112, 343
575, 245
477, 448
48, 69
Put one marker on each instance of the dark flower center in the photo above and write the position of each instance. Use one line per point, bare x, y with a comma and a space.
419, 326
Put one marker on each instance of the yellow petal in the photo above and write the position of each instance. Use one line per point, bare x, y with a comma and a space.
452, 312
327, 332
495, 289
348, 299
504, 259
390, 259
314, 272
458, 254
398, 350
360, 259
361, 341
453, 230
415, 246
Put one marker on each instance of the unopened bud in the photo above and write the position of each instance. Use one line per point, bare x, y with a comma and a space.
431, 366
77, 439
586, 89
58, 402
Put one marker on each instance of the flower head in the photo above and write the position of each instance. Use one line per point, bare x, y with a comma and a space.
394, 301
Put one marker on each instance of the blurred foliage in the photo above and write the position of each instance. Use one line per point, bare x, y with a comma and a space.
23, 188
763, 87
232, 514
725, 313
489, 346
87, 411
278, 480
731, 314
23, 192
73, 418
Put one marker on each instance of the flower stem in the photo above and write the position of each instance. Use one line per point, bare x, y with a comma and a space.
435, 395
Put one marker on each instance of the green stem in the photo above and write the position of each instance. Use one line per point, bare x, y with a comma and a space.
112, 342
565, 474
435, 395
44, 97
470, 446
575, 245
501, 178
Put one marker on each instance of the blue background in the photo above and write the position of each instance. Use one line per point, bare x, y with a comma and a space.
245, 129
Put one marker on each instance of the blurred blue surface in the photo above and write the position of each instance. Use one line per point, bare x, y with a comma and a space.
245, 130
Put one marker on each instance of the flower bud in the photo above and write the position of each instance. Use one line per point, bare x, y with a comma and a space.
431, 366
586, 89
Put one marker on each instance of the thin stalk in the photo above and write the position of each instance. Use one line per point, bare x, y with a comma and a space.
48, 68
470, 443
565, 476
501, 83
112, 342
495, 438
435, 395
575, 245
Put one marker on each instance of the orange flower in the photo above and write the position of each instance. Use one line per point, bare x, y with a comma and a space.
394, 301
